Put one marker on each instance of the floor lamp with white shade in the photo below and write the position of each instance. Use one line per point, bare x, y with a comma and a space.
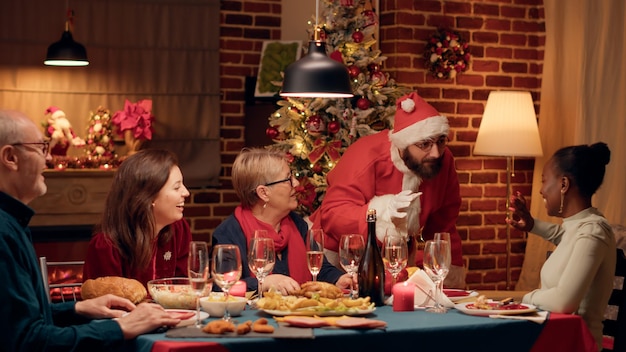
509, 128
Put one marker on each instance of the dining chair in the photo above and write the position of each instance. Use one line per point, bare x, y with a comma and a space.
68, 287
614, 323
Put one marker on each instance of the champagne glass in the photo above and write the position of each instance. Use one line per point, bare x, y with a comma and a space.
437, 259
198, 271
226, 270
351, 248
396, 253
315, 251
261, 259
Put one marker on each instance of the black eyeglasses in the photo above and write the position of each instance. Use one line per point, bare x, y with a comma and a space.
43, 146
290, 178
427, 145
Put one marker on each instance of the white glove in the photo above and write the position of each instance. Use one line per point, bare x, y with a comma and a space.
396, 207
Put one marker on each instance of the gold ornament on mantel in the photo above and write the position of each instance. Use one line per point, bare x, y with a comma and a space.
134, 123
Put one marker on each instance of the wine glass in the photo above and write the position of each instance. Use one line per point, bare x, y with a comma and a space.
437, 259
396, 253
351, 248
315, 251
226, 270
198, 271
261, 259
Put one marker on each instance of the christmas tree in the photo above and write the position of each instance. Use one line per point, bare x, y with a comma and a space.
99, 143
316, 132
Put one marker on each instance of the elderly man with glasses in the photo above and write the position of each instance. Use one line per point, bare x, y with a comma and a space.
408, 175
29, 321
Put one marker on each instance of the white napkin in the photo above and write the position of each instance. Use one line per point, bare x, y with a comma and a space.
537, 317
425, 290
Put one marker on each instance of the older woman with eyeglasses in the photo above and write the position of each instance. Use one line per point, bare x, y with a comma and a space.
266, 187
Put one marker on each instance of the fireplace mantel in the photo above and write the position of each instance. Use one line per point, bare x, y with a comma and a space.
74, 197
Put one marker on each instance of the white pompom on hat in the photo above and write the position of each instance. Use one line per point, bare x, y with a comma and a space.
415, 121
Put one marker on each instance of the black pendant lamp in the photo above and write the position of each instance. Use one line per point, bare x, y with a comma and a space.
66, 52
316, 75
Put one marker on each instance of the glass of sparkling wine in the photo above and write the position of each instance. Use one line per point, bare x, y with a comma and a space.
351, 248
396, 253
315, 251
198, 271
226, 270
261, 259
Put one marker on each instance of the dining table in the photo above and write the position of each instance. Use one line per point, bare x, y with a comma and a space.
451, 331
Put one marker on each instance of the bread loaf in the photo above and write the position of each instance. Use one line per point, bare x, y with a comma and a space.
131, 289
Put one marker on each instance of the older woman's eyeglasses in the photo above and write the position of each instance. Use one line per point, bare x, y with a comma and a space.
290, 179
43, 146
427, 144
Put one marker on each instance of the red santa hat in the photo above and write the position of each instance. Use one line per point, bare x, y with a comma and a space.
415, 121
56, 112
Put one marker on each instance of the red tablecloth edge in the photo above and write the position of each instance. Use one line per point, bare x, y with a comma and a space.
574, 335
179, 346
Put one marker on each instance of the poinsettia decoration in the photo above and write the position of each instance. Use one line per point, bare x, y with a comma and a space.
136, 117
446, 54
134, 123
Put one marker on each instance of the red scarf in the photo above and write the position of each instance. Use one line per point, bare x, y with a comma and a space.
288, 237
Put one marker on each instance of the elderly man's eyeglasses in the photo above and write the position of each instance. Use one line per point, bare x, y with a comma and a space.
427, 145
290, 179
43, 146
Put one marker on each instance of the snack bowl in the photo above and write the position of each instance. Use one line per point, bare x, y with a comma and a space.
175, 292
215, 304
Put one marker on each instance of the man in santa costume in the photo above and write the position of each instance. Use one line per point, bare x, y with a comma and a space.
387, 171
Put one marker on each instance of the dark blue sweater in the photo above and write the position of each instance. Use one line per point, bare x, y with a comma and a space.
29, 322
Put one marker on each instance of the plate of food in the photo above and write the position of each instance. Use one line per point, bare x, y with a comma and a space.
319, 312
490, 307
310, 304
456, 295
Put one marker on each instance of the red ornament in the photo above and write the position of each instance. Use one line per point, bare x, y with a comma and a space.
379, 77
353, 71
336, 55
373, 67
363, 104
334, 126
317, 168
357, 36
370, 18
315, 125
272, 132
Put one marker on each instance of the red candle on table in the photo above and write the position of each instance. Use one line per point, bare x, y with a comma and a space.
403, 296
239, 289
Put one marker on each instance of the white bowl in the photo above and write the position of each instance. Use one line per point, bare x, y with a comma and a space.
215, 305
175, 292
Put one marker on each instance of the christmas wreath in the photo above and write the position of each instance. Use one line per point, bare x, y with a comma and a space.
446, 54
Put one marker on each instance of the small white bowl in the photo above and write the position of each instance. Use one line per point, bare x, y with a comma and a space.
215, 305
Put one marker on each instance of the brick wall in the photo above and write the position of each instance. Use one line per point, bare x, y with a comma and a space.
506, 39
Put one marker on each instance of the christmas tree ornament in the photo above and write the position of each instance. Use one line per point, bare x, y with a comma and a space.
271, 132
379, 78
373, 67
354, 71
334, 126
315, 125
358, 36
363, 104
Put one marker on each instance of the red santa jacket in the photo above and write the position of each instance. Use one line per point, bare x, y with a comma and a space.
366, 171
